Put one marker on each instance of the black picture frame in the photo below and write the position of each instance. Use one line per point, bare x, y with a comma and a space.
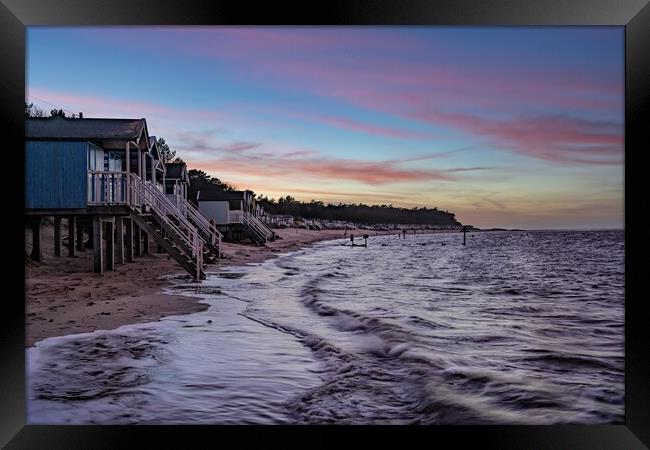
15, 15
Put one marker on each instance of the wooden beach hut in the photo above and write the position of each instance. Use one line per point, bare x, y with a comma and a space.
281, 220
94, 173
177, 180
176, 186
234, 213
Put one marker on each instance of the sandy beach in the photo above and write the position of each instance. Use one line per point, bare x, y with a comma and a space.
63, 296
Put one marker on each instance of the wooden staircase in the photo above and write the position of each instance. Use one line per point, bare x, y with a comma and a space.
257, 231
210, 253
158, 216
209, 234
168, 240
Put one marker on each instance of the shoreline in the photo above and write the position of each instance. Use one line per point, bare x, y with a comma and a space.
62, 296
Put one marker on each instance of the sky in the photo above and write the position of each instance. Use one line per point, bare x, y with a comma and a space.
516, 127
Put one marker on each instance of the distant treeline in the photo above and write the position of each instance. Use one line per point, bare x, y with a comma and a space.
199, 180
358, 213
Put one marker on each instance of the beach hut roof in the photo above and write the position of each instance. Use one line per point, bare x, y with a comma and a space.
153, 145
219, 194
177, 170
91, 129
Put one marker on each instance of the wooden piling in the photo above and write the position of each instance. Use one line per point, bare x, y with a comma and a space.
137, 240
98, 250
128, 222
57, 236
110, 245
37, 227
160, 248
119, 239
80, 238
72, 231
145, 242
91, 235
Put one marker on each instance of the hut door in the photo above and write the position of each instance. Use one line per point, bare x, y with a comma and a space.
116, 181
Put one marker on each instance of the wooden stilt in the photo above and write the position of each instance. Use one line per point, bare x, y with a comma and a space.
137, 240
80, 238
145, 242
110, 245
119, 240
129, 239
98, 253
57, 236
37, 226
72, 231
91, 235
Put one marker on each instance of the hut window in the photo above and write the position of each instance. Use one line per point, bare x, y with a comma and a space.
95, 158
114, 162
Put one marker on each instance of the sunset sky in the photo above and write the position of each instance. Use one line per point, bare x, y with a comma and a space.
506, 127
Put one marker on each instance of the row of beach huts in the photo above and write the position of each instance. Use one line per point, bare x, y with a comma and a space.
107, 181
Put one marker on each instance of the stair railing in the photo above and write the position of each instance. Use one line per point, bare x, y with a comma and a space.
146, 194
199, 219
259, 225
256, 225
179, 202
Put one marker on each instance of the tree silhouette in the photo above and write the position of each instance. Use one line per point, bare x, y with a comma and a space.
200, 180
33, 111
358, 213
166, 153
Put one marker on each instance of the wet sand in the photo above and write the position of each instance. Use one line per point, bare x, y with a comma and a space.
64, 296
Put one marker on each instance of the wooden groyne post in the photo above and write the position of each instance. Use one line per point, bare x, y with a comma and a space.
464, 230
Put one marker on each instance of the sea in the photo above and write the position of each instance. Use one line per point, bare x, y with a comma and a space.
515, 327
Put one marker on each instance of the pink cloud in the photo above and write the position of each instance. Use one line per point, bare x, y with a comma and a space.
370, 128
555, 139
354, 170
345, 123
238, 147
319, 61
328, 194
368, 173
411, 90
270, 161
299, 154
395, 86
